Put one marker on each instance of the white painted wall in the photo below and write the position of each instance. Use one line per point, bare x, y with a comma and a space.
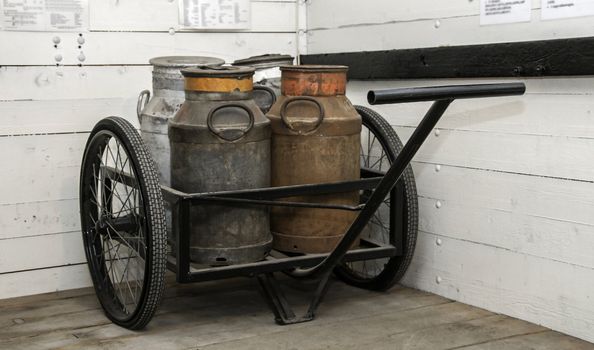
46, 113
516, 178
516, 181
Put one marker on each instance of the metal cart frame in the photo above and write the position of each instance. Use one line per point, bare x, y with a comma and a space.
98, 222
320, 266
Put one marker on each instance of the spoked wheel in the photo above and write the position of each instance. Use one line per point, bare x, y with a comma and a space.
122, 221
397, 216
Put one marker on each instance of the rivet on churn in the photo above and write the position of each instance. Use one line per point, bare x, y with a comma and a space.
438, 279
437, 132
438, 241
437, 167
438, 204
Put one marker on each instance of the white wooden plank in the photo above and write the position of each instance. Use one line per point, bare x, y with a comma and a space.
60, 116
19, 254
548, 198
44, 281
28, 48
35, 184
330, 14
517, 232
160, 15
38, 218
550, 293
451, 31
324, 14
70, 83
40, 168
532, 114
527, 154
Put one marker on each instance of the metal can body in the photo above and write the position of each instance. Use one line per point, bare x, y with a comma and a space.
316, 139
154, 113
220, 140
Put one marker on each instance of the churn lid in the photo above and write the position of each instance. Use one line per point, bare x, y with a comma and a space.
218, 78
185, 61
313, 80
270, 60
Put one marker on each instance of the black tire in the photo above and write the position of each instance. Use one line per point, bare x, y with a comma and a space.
122, 222
387, 271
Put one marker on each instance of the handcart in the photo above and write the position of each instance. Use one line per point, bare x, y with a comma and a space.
125, 236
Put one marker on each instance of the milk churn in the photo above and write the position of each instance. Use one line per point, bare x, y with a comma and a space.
315, 139
267, 77
220, 140
153, 113
168, 96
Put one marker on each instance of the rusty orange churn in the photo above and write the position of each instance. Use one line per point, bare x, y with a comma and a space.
316, 138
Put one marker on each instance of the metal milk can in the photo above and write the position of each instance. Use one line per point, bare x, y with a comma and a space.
153, 113
220, 140
315, 139
168, 96
267, 77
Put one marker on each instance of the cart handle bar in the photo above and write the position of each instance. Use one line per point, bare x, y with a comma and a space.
378, 97
437, 109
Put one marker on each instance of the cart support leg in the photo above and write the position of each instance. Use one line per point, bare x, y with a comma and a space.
283, 313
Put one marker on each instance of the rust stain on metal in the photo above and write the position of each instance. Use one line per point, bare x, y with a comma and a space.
218, 84
313, 80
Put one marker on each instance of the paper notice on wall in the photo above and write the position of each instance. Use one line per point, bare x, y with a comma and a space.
45, 15
553, 9
505, 11
215, 14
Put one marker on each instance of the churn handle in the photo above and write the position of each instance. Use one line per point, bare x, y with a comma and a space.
289, 100
268, 90
143, 99
220, 133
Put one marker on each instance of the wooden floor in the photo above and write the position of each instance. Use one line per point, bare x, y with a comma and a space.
231, 314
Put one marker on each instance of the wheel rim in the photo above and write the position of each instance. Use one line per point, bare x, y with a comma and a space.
373, 156
114, 226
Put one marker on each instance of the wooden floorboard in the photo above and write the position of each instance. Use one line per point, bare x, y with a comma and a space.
231, 314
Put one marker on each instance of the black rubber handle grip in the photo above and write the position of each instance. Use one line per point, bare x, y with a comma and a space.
451, 92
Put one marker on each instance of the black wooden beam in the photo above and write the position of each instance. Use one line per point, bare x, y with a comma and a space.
520, 59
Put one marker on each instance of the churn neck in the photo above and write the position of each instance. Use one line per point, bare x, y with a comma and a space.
168, 80
218, 81
313, 80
